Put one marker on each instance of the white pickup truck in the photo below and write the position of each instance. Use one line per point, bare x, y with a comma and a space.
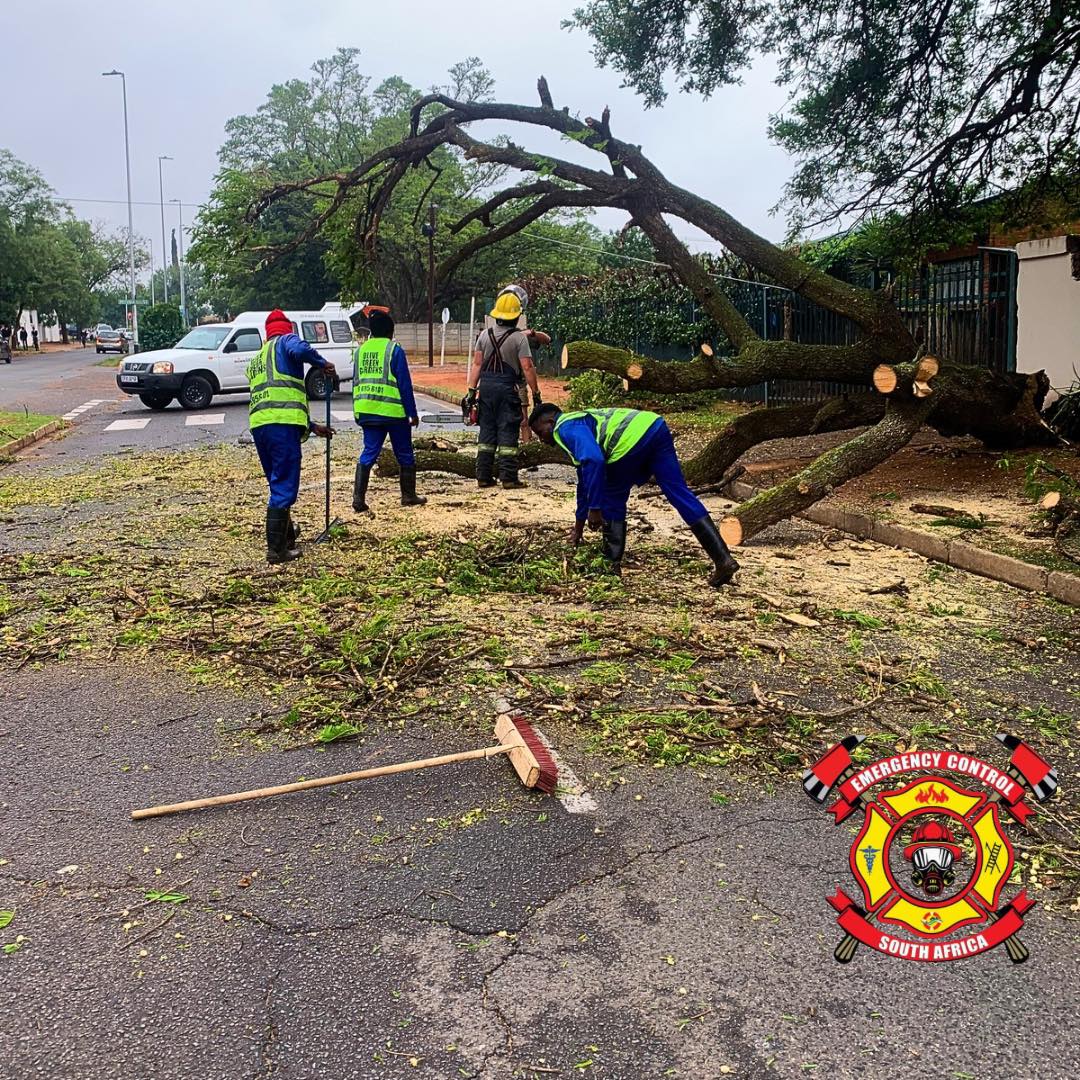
213, 359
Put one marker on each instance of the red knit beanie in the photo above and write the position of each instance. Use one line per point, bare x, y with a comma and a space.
277, 324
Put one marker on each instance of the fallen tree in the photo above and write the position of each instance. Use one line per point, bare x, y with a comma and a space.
904, 388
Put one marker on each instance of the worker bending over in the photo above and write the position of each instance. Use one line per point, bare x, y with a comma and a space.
502, 360
615, 449
383, 404
278, 415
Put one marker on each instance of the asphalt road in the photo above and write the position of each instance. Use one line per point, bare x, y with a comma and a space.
438, 924
105, 420
447, 923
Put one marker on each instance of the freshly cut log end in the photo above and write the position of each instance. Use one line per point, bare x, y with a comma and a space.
634, 371
626, 384
926, 369
706, 349
921, 389
885, 378
1050, 500
564, 360
731, 531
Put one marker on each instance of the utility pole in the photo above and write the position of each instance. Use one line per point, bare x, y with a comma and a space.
131, 227
429, 231
183, 290
164, 248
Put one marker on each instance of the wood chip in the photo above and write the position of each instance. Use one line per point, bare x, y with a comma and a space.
796, 619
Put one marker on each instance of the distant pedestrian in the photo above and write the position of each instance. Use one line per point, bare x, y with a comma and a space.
33, 335
5, 346
22, 337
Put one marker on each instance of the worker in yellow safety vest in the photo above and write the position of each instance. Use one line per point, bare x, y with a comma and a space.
278, 415
614, 450
383, 404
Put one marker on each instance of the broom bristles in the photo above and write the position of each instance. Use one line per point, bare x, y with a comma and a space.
529, 754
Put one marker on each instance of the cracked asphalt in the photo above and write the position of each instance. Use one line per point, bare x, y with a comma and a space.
446, 923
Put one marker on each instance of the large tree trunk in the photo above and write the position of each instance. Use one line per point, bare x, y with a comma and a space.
829, 471
1001, 409
764, 425
532, 453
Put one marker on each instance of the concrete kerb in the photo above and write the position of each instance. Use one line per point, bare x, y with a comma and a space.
43, 432
438, 393
964, 556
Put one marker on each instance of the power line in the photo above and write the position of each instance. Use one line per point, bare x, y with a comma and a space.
122, 202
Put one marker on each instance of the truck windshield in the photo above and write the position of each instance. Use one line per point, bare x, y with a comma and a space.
204, 337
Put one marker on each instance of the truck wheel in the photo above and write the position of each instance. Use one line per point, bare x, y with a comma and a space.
157, 402
315, 384
196, 392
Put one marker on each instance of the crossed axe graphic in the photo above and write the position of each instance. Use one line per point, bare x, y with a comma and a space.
836, 767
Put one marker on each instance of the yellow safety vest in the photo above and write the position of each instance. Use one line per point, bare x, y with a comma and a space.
618, 431
375, 390
275, 398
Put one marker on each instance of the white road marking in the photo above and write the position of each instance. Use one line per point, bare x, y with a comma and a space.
205, 419
80, 409
341, 417
129, 425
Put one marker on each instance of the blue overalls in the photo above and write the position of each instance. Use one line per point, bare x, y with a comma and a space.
278, 445
606, 486
376, 428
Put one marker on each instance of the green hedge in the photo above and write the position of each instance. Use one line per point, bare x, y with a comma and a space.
160, 327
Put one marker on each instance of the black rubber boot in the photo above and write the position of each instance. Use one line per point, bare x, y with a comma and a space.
294, 532
508, 470
614, 543
485, 468
359, 491
277, 536
709, 538
408, 487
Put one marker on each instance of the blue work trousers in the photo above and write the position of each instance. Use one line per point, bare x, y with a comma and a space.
653, 456
279, 454
400, 432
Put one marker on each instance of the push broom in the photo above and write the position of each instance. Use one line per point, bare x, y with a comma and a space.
517, 739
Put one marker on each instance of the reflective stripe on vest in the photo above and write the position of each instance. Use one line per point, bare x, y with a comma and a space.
618, 431
375, 390
275, 398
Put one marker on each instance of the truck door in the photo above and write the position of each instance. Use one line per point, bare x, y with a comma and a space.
235, 356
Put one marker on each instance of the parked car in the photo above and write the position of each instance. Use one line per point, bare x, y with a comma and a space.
110, 341
213, 359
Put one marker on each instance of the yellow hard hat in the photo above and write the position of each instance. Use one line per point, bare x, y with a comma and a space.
507, 306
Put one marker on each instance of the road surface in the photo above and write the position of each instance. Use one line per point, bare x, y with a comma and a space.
105, 420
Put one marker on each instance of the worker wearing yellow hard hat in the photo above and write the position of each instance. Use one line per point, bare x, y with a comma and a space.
501, 360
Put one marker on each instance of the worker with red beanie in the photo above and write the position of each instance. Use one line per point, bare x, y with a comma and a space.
278, 414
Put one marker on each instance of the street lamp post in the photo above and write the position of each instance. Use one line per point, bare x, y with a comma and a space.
428, 230
131, 225
183, 293
164, 246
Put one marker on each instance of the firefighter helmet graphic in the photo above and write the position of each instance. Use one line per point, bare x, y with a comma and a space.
932, 854
932, 857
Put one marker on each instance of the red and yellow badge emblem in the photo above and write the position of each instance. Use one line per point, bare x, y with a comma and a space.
932, 857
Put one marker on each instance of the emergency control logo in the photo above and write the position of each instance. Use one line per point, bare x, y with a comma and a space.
932, 857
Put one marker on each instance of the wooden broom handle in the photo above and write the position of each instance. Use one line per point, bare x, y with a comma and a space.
322, 781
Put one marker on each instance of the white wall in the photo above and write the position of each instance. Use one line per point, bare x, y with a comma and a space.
1048, 309
30, 319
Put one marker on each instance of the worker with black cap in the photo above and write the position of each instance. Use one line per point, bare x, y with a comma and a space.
501, 360
383, 404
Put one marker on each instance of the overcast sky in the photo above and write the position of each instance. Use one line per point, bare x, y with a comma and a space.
192, 65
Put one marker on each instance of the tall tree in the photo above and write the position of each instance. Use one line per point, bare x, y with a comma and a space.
1001, 409
896, 105
319, 128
